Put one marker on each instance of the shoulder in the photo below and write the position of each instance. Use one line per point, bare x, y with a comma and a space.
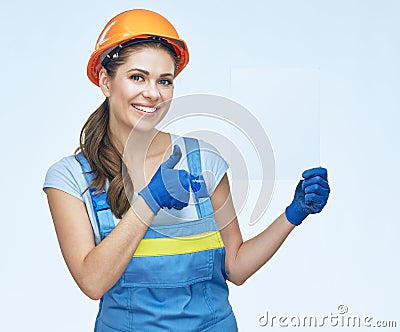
67, 166
213, 164
66, 174
208, 150
66, 163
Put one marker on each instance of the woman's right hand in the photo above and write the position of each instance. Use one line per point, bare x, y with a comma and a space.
169, 187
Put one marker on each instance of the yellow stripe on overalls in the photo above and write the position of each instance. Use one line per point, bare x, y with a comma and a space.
179, 245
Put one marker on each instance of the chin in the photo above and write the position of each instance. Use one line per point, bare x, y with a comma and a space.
143, 126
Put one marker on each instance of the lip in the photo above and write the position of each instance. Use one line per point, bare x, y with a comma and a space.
144, 105
143, 113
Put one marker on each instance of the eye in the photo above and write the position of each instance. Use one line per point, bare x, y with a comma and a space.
166, 82
137, 78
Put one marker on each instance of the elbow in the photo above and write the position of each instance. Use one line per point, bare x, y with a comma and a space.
92, 290
93, 295
235, 274
237, 280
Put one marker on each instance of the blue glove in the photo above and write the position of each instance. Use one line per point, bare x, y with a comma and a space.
310, 196
168, 188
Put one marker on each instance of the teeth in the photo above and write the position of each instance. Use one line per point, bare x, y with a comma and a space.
145, 109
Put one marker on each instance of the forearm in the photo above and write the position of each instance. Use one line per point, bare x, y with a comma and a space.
254, 253
104, 264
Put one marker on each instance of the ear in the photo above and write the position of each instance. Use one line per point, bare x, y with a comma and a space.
104, 82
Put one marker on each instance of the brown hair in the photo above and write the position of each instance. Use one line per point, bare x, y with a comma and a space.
96, 146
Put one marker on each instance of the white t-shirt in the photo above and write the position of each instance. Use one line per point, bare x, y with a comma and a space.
66, 175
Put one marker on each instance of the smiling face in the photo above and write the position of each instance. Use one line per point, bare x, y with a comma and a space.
140, 90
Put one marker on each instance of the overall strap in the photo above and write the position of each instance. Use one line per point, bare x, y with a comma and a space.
102, 210
200, 193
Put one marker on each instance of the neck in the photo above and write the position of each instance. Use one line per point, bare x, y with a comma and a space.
143, 144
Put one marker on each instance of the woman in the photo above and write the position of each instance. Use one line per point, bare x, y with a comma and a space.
170, 276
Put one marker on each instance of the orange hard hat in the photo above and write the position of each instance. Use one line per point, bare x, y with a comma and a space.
129, 26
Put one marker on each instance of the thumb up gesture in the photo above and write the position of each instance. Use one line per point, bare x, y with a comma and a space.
169, 187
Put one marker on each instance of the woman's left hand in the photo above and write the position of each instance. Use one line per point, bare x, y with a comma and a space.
310, 197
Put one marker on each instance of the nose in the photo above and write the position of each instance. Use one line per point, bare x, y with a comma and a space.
151, 91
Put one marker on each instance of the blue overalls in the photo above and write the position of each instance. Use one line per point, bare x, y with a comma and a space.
176, 280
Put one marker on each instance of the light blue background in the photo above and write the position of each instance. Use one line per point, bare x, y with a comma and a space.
347, 255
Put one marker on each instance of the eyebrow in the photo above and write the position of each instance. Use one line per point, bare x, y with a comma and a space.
147, 73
